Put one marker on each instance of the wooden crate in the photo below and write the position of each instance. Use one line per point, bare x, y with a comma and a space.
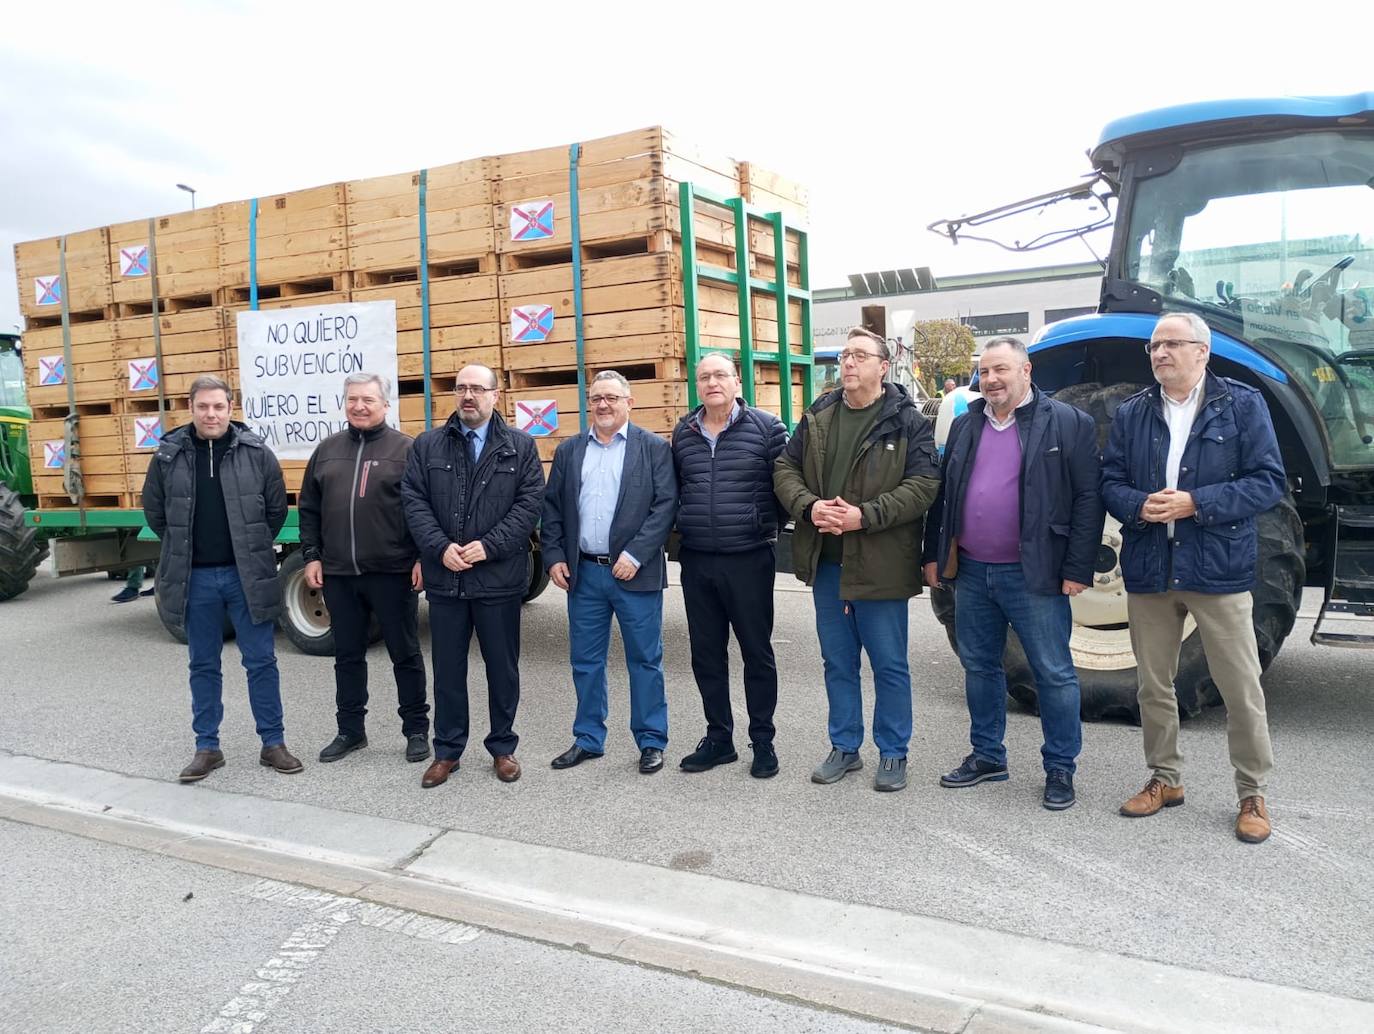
188, 260
88, 276
383, 223
302, 244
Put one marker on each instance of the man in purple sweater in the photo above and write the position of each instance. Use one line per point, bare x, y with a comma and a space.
1016, 529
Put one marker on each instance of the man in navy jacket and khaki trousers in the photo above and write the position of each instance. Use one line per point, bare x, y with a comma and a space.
1190, 463
610, 504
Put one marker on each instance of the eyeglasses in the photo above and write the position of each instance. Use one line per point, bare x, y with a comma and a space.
474, 390
716, 375
858, 355
1172, 345
610, 400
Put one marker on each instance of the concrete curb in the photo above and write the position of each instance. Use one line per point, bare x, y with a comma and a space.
926, 973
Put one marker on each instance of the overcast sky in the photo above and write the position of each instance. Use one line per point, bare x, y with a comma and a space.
893, 118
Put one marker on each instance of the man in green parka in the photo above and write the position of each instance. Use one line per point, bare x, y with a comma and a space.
858, 477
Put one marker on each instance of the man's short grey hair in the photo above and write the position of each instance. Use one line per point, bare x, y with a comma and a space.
1014, 343
1202, 333
209, 382
734, 366
383, 383
611, 375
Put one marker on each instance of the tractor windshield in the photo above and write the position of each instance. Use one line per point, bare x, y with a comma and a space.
1273, 240
11, 377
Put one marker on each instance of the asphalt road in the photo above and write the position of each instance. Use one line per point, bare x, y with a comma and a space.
102, 685
95, 937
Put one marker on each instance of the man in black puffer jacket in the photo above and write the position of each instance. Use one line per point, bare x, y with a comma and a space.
729, 518
215, 497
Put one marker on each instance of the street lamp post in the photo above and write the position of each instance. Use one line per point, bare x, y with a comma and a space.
191, 191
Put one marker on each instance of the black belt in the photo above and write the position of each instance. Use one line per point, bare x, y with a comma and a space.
592, 558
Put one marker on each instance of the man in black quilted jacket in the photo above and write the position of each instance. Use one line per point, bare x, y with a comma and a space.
729, 518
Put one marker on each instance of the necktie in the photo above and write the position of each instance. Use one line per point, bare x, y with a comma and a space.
472, 447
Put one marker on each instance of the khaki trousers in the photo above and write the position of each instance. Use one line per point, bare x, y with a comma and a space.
1228, 639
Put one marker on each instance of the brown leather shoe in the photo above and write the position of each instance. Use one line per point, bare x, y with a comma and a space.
1156, 795
1252, 824
205, 762
437, 773
507, 768
280, 758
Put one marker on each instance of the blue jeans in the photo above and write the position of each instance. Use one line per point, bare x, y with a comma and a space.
595, 596
988, 597
214, 590
879, 628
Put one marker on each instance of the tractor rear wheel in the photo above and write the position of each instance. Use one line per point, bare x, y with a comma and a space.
20, 550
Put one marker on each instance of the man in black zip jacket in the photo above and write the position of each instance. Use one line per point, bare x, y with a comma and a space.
728, 518
358, 549
215, 497
473, 490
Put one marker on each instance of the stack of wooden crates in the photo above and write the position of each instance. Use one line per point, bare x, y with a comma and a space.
498, 254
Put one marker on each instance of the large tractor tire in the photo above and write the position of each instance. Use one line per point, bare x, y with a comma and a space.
20, 551
1101, 641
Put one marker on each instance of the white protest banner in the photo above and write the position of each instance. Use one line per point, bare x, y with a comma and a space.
292, 365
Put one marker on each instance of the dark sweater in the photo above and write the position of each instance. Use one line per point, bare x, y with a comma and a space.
210, 541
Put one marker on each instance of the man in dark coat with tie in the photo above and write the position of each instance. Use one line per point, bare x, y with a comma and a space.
472, 491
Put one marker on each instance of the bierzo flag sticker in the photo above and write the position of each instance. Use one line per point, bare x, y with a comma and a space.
531, 220
530, 323
133, 261
54, 455
147, 432
142, 374
537, 417
51, 370
47, 290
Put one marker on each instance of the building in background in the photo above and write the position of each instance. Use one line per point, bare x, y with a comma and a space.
1017, 302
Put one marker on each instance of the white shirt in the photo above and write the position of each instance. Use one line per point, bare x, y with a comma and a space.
1180, 417
1002, 425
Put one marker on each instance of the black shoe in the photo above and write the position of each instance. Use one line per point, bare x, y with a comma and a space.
417, 747
124, 595
341, 746
149, 592
765, 764
709, 754
574, 755
975, 770
1058, 790
650, 760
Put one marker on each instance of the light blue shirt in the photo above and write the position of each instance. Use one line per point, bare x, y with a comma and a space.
711, 438
480, 442
601, 469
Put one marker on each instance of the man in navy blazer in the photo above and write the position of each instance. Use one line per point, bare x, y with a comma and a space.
611, 500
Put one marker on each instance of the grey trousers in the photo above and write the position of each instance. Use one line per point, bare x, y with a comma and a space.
1228, 638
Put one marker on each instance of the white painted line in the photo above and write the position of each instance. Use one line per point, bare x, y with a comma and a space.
365, 913
275, 978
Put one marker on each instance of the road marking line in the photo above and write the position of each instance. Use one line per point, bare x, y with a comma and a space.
275, 978
365, 913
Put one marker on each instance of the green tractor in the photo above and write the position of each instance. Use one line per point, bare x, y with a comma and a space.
21, 549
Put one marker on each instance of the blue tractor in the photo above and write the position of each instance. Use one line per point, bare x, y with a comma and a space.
1257, 215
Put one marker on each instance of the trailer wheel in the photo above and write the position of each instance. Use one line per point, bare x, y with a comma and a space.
20, 550
538, 578
304, 616
1101, 643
